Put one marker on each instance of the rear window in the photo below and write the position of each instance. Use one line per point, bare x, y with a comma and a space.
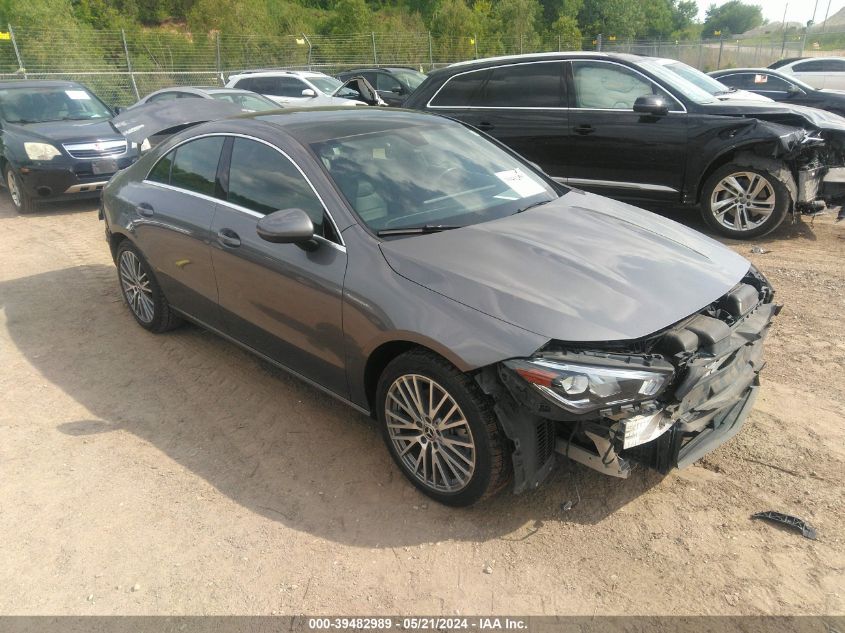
537, 85
195, 165
460, 90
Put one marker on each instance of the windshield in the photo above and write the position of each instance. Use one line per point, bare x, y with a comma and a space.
429, 175
37, 105
680, 84
326, 85
246, 101
410, 78
703, 81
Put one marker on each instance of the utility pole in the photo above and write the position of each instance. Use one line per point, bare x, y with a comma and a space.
826, 13
783, 26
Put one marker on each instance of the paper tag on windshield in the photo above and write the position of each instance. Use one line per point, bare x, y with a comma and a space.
520, 182
77, 94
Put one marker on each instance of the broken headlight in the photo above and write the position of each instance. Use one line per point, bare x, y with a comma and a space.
581, 388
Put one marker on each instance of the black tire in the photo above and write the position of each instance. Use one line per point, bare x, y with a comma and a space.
157, 317
24, 203
491, 470
774, 192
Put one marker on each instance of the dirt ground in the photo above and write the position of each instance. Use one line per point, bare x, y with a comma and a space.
176, 474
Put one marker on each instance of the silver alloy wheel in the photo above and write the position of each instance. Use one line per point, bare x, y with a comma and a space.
430, 433
136, 287
12, 184
742, 201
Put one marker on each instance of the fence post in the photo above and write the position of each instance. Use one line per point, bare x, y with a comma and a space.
520, 43
308, 41
129, 65
700, 53
475, 43
17, 52
559, 49
598, 42
721, 45
218, 59
375, 57
430, 53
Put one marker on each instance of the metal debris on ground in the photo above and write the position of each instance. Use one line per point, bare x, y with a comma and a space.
759, 250
807, 530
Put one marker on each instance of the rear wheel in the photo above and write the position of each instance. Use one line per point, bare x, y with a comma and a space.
23, 202
441, 430
141, 291
744, 202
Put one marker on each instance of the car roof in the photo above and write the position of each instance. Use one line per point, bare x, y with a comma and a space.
785, 61
313, 125
390, 69
29, 83
274, 72
555, 55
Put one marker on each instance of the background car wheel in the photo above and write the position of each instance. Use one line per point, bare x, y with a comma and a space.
23, 202
744, 202
141, 291
441, 430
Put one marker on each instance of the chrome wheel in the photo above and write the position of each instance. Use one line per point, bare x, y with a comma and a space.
136, 287
430, 433
12, 184
743, 201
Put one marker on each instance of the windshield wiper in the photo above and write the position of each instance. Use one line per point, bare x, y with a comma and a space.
532, 205
418, 230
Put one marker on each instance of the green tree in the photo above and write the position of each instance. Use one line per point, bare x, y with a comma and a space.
566, 28
517, 22
620, 18
733, 17
350, 16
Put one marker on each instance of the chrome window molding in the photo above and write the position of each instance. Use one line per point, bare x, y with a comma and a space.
429, 105
237, 207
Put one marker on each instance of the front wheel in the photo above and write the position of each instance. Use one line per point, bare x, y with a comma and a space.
441, 430
24, 203
744, 202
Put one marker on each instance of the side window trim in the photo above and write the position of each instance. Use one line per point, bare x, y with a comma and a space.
573, 96
221, 165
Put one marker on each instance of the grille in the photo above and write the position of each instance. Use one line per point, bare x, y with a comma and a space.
545, 441
97, 149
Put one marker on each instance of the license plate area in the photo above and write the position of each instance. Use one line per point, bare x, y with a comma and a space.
104, 166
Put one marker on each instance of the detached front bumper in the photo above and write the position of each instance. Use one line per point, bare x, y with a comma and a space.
718, 359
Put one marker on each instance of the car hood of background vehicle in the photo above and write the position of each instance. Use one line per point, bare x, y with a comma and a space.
580, 268
66, 131
779, 112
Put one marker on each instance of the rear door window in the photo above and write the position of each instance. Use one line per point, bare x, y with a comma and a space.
538, 85
195, 165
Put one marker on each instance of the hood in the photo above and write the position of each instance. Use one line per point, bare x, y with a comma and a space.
778, 112
66, 131
142, 122
581, 268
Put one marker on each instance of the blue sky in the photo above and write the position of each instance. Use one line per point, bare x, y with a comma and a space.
797, 11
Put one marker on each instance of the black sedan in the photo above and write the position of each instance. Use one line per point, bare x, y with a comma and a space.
782, 87
487, 317
57, 142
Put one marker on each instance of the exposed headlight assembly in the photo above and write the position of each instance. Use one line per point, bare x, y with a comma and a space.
40, 151
580, 387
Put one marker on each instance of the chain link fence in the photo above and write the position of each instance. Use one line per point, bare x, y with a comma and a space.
123, 66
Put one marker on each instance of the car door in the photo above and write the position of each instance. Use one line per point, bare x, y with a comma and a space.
615, 151
175, 207
761, 83
522, 105
388, 88
814, 72
282, 300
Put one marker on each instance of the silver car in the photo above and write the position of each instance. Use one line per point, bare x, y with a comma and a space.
491, 320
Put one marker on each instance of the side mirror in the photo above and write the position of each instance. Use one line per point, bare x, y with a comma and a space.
794, 90
398, 90
119, 109
288, 226
651, 104
308, 93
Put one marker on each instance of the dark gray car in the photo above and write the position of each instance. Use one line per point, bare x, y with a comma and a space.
490, 318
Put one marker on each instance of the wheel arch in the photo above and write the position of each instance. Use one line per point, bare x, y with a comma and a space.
746, 155
385, 352
116, 238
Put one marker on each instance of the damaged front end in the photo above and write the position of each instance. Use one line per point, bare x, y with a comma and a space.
663, 402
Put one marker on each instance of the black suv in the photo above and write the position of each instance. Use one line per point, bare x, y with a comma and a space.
393, 83
627, 127
57, 142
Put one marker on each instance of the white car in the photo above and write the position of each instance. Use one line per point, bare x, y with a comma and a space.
819, 72
708, 83
293, 88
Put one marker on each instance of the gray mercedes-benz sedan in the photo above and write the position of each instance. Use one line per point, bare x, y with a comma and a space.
490, 319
